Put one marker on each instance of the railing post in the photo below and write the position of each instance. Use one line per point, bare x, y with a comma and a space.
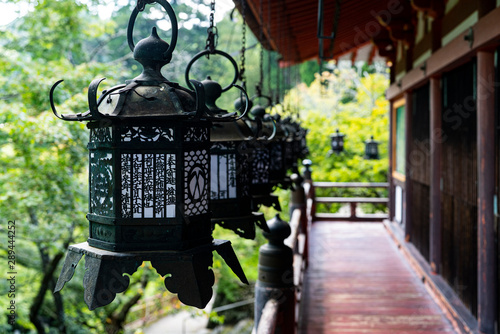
298, 201
298, 195
353, 209
309, 188
275, 279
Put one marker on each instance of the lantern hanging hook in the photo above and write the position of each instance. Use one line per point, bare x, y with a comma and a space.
141, 5
219, 52
189, 82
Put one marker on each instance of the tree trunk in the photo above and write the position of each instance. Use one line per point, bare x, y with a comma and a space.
117, 319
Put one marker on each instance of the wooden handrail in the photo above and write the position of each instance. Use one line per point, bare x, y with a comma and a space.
267, 324
353, 201
351, 184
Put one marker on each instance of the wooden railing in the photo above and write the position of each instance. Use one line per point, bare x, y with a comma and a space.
277, 307
352, 201
277, 303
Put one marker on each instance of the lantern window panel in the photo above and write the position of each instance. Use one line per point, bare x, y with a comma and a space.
196, 182
223, 176
260, 166
101, 135
276, 157
101, 183
196, 134
147, 134
148, 185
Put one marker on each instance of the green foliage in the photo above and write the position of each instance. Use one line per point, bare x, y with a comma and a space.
324, 109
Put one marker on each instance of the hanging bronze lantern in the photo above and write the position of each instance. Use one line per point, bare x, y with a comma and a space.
149, 182
371, 149
277, 147
289, 145
259, 153
230, 198
295, 144
337, 142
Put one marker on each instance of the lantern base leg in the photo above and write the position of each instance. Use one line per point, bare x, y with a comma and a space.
266, 200
187, 273
243, 226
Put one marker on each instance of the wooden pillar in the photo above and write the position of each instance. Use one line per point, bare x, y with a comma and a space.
391, 162
486, 270
435, 189
408, 190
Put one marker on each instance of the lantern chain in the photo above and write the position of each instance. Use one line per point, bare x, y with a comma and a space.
269, 52
213, 35
261, 52
243, 44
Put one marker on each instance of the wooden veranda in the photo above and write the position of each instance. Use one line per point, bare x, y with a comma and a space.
358, 281
354, 276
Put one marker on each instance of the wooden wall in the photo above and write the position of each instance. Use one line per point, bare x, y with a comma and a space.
459, 183
419, 162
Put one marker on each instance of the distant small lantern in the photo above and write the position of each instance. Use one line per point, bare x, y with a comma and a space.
277, 145
337, 142
259, 155
371, 149
296, 145
149, 182
290, 143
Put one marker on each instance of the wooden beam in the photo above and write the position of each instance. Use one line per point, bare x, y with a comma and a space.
487, 282
435, 186
486, 35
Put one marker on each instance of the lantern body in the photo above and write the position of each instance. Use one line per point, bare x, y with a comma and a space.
337, 142
371, 149
259, 156
149, 185
230, 175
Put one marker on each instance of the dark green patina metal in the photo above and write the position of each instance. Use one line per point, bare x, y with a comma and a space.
337, 142
371, 149
149, 180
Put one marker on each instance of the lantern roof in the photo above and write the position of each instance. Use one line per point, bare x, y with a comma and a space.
230, 131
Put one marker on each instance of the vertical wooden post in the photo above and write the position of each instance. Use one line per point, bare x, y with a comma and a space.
353, 210
486, 271
391, 205
435, 191
298, 201
309, 189
408, 191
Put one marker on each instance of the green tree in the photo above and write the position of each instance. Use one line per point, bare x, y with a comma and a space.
323, 109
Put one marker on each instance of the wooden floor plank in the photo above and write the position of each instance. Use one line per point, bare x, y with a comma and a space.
357, 282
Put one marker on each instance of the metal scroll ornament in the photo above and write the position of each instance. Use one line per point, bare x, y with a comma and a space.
149, 155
